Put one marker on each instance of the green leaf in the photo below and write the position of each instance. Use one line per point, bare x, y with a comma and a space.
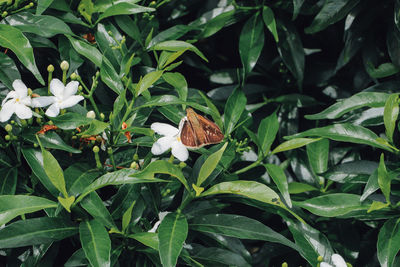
346, 132
86, 50
124, 8
251, 42
390, 114
179, 82
42, 5
54, 171
318, 155
360, 100
175, 45
66, 202
70, 121
377, 205
233, 110
293, 144
146, 238
8, 71
116, 178
298, 188
42, 25
95, 242
239, 227
210, 164
383, 70
110, 77
35, 232
279, 178
95, 127
332, 205
50, 140
216, 23
12, 206
172, 33
95, 207
371, 186
267, 131
388, 244
8, 183
384, 179
172, 234
148, 80
331, 12
127, 216
269, 20
13, 39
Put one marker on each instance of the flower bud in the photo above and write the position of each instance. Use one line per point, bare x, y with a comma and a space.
23, 123
35, 145
74, 76
50, 123
152, 3
284, 264
39, 120
102, 116
50, 68
91, 115
134, 165
109, 151
80, 88
7, 137
182, 164
8, 128
320, 258
12, 121
64, 65
4, 14
30, 91
136, 157
96, 149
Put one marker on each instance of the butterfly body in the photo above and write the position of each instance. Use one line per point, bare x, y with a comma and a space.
198, 131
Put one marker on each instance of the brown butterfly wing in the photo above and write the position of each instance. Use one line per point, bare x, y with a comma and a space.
188, 137
211, 131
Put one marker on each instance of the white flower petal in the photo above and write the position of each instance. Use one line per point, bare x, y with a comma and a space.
71, 88
324, 264
7, 110
164, 129
162, 145
57, 88
53, 110
71, 101
43, 101
12, 94
179, 151
22, 111
338, 261
27, 101
20, 88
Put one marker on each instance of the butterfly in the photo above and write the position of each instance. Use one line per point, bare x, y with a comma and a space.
198, 131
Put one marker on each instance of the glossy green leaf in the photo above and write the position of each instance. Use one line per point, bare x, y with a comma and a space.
239, 227
216, 256
172, 233
172, 33
390, 114
148, 80
127, 216
346, 132
332, 205
383, 70
42, 5
42, 25
179, 82
279, 178
267, 131
8, 183
66, 202
356, 171
371, 186
331, 12
110, 77
95, 243
215, 24
8, 71
116, 178
377, 205
363, 99
298, 188
210, 164
146, 238
175, 45
269, 20
86, 50
70, 121
54, 171
388, 244
35, 232
318, 155
34, 159
294, 143
233, 110
13, 39
124, 8
95, 127
12, 206
95, 207
384, 179
251, 42
51, 140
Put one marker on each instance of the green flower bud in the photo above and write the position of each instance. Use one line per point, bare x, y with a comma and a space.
8, 128
182, 164
74, 76
50, 68
91, 115
30, 91
50, 123
64, 65
109, 151
320, 258
35, 145
102, 116
80, 88
7, 137
74, 137
136, 157
31, 4
284, 264
96, 149
12, 121
152, 3
39, 120
24, 123
4, 14
97, 73
134, 165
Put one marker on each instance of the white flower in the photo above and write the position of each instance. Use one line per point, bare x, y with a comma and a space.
64, 97
171, 140
17, 102
337, 261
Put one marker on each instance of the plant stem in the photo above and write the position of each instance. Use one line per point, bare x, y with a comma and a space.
251, 166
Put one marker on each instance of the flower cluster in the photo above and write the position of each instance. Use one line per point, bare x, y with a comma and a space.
20, 102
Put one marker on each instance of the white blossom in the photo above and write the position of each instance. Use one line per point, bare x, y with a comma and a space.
17, 101
337, 261
169, 140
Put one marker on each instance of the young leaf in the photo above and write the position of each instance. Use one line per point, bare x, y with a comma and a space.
279, 178
267, 131
176, 45
147, 239
293, 144
318, 155
124, 8
251, 42
233, 110
148, 80
126, 218
388, 242
210, 164
390, 114
95, 242
269, 20
172, 233
95, 127
54, 171
384, 179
